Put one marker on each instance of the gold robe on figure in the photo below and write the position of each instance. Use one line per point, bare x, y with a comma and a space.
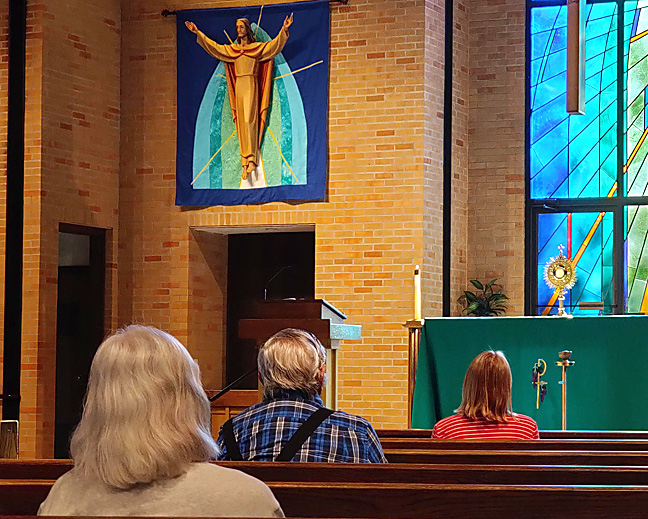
249, 84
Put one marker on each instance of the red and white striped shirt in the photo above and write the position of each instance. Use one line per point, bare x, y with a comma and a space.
457, 427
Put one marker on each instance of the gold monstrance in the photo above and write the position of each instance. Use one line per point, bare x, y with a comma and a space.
559, 273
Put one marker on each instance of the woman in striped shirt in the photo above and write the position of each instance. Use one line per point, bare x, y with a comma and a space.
485, 411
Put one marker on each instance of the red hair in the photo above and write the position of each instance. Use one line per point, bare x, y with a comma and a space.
487, 388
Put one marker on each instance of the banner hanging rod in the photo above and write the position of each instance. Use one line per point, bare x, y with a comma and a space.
166, 12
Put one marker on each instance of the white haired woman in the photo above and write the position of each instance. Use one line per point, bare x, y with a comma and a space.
143, 443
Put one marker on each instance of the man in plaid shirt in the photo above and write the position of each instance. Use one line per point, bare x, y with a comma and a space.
292, 371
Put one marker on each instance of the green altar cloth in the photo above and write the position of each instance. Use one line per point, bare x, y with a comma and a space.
607, 387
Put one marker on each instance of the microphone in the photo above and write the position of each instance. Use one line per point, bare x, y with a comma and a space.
265, 288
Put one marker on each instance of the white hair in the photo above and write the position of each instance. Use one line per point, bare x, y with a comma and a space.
146, 416
292, 359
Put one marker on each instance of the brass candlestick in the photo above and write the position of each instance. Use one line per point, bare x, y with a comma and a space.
565, 363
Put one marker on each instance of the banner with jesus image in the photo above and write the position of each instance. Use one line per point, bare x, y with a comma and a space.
252, 104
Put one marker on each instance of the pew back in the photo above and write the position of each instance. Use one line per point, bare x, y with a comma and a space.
545, 434
410, 501
446, 474
523, 445
529, 457
508, 474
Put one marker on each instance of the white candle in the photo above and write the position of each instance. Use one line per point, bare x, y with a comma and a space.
417, 292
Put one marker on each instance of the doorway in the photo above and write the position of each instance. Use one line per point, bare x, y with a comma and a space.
79, 323
273, 265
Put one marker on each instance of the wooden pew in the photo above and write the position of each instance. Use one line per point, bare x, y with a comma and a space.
403, 501
545, 435
368, 473
403, 433
442, 474
33, 469
476, 457
498, 445
411, 501
594, 435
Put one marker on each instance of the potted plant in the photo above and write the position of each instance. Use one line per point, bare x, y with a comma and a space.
490, 301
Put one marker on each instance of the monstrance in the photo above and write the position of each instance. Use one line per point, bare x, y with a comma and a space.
560, 274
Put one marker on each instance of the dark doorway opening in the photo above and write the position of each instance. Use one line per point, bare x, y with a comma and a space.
263, 266
79, 323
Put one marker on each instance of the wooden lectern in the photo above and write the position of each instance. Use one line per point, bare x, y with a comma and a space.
313, 315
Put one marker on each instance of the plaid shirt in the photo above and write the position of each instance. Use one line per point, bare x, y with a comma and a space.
262, 430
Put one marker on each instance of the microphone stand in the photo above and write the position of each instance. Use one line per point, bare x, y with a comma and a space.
232, 385
265, 288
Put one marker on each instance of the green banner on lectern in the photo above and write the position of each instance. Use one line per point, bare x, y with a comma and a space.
607, 387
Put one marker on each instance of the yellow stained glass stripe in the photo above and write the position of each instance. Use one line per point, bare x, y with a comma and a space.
638, 36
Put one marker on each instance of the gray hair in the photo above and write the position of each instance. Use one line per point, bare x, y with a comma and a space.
146, 416
292, 359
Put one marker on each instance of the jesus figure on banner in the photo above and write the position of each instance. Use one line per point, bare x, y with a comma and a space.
248, 66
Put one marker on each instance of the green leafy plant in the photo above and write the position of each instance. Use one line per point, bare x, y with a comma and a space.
490, 301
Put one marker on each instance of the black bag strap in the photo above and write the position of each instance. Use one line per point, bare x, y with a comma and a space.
233, 451
302, 434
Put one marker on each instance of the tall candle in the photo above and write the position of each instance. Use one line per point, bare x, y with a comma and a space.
417, 292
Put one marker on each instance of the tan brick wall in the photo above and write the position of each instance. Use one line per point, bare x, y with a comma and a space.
95, 157
433, 158
496, 145
369, 231
434, 86
207, 319
460, 154
72, 176
31, 419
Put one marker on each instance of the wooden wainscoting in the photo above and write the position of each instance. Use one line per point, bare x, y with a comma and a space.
231, 404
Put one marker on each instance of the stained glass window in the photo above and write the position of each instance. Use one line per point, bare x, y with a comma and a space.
588, 174
636, 256
580, 232
573, 157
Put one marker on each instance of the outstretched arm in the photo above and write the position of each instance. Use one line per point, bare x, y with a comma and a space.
288, 22
192, 27
212, 48
275, 46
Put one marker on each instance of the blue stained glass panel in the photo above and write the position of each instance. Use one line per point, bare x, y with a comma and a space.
588, 242
551, 129
576, 156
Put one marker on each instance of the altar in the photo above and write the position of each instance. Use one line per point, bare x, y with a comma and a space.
607, 386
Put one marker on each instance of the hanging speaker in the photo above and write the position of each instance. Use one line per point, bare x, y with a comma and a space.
576, 57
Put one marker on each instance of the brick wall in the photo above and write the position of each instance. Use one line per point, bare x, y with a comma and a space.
368, 238
31, 419
96, 156
432, 275
72, 176
207, 319
433, 159
496, 145
460, 154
